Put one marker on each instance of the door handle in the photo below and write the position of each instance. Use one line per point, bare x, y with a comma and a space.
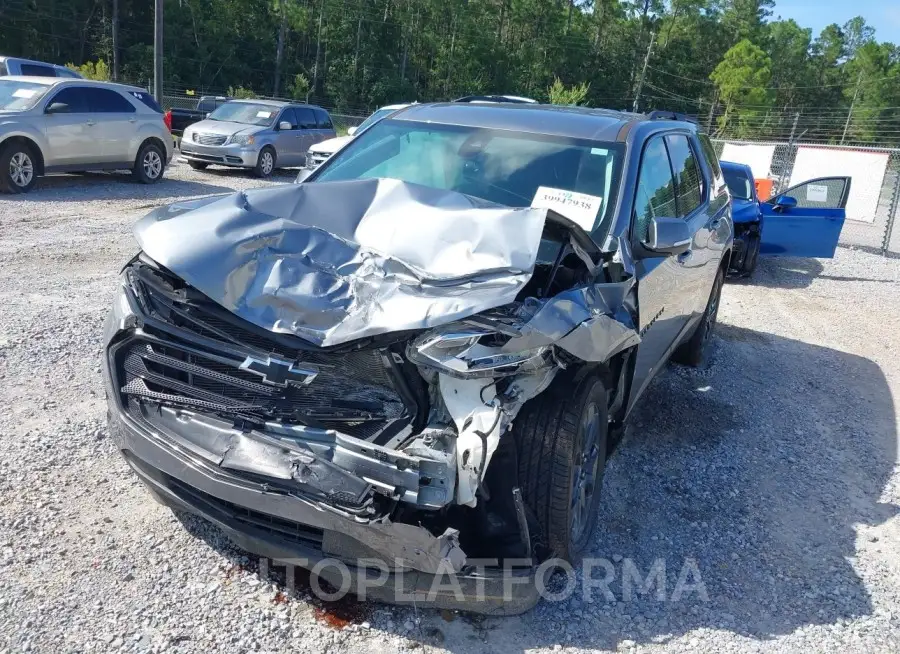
91, 123
132, 120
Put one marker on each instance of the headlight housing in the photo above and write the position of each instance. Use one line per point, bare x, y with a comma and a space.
472, 352
243, 139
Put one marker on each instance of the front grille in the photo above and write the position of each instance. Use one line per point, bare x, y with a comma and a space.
314, 160
204, 138
194, 360
288, 530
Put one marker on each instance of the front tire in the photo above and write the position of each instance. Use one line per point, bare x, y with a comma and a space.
149, 164
561, 437
265, 164
693, 351
18, 169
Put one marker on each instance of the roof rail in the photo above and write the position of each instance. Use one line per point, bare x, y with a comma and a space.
670, 115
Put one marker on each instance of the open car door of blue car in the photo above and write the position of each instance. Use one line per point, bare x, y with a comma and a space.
805, 220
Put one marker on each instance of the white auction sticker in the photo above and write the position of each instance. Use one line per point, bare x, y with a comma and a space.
580, 208
24, 93
816, 193
263, 114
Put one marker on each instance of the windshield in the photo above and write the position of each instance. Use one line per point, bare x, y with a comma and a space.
738, 184
374, 118
245, 112
516, 169
20, 96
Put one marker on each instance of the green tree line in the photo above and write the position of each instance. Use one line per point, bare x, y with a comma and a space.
735, 64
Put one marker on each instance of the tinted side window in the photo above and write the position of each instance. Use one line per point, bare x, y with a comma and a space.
38, 71
289, 116
74, 97
147, 99
106, 101
306, 118
709, 152
323, 119
65, 72
688, 179
656, 188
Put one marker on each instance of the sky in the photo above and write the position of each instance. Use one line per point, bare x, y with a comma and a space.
883, 15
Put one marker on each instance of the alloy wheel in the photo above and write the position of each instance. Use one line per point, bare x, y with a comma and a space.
587, 472
152, 164
267, 163
21, 169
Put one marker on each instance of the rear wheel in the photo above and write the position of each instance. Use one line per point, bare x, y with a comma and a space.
265, 165
693, 351
198, 165
149, 164
561, 436
18, 169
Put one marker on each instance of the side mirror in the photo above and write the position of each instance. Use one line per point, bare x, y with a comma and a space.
783, 202
669, 236
284, 126
302, 175
351, 131
57, 108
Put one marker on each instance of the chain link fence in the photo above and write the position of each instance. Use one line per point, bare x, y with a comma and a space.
872, 208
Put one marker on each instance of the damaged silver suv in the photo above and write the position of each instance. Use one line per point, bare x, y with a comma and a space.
417, 361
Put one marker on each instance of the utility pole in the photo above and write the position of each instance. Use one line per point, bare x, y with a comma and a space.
852, 102
637, 93
315, 83
158, 51
712, 112
115, 40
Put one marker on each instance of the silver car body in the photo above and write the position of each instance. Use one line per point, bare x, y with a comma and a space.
82, 140
239, 143
29, 67
321, 151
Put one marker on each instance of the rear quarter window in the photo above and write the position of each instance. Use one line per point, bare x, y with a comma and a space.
147, 99
323, 119
3, 69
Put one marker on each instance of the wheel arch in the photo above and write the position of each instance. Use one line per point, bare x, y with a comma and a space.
31, 143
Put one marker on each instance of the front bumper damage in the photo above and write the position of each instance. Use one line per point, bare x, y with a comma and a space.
349, 402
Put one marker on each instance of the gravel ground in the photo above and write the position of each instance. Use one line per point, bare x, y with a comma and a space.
773, 472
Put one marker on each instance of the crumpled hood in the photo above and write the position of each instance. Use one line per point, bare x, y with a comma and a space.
744, 211
332, 262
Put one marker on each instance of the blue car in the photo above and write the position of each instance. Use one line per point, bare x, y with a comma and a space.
803, 221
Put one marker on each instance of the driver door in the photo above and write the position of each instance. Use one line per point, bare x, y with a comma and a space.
806, 219
72, 133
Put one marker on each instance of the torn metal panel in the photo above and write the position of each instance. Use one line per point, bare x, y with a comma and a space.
337, 261
591, 322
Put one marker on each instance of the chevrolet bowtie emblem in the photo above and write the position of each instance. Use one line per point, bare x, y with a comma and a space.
279, 372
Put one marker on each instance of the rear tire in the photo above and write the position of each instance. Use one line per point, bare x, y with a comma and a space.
18, 168
561, 437
265, 164
197, 165
149, 164
693, 351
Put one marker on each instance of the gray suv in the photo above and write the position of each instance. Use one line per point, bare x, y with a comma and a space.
66, 125
260, 135
423, 354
